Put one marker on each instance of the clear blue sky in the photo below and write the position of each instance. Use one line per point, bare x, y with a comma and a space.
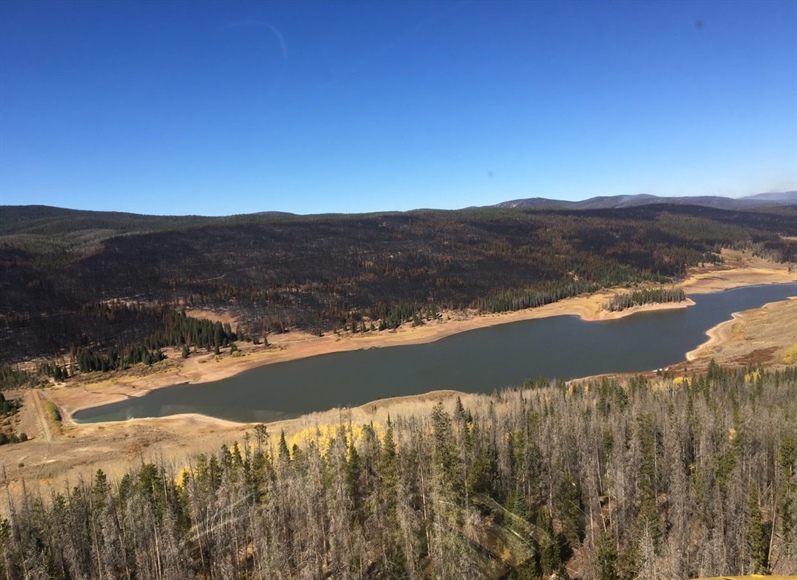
228, 107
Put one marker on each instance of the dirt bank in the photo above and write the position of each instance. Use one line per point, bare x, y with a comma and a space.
766, 335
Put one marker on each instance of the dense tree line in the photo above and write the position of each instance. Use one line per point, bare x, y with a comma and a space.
508, 300
88, 361
12, 377
596, 479
623, 300
177, 329
9, 407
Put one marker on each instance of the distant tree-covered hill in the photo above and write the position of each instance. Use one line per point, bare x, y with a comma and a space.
276, 271
760, 200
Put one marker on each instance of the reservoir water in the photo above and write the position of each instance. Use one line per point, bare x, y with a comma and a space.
475, 361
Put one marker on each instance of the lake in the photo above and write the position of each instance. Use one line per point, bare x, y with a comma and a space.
475, 361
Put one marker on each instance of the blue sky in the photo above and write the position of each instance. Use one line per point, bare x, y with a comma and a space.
217, 108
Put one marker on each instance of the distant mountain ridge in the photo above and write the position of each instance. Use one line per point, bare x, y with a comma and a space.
621, 201
64, 273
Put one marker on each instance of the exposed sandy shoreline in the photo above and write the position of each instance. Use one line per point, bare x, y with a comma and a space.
770, 330
294, 345
81, 448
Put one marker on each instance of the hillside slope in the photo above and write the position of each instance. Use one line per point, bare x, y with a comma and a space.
278, 271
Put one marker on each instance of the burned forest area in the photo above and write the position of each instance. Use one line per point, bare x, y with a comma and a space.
72, 279
664, 475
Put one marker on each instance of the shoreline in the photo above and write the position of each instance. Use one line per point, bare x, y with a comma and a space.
716, 336
296, 345
78, 449
719, 336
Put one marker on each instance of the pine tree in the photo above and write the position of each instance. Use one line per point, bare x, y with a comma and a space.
757, 543
284, 454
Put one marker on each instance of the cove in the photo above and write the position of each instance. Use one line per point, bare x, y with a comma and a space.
474, 361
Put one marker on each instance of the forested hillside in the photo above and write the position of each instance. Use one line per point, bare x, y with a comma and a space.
279, 271
597, 479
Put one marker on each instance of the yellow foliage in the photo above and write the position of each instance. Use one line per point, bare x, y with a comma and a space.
323, 434
790, 355
752, 377
178, 480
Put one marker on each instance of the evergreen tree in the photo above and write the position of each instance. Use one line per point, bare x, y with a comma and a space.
756, 541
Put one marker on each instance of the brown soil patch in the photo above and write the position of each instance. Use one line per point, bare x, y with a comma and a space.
212, 315
758, 357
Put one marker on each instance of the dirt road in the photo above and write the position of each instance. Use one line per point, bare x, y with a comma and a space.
48, 436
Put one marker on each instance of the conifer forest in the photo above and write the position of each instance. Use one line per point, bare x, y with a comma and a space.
599, 479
